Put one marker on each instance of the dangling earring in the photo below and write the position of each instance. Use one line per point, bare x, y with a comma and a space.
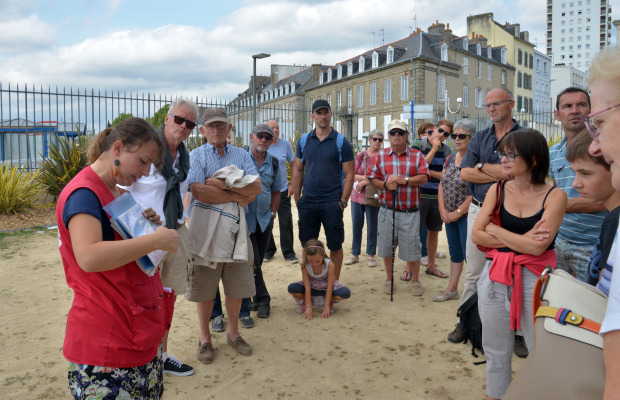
116, 167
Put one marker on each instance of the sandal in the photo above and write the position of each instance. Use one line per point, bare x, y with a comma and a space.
436, 272
406, 276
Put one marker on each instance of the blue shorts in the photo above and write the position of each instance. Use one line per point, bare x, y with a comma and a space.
312, 215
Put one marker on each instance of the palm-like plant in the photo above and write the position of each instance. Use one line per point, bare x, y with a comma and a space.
65, 160
18, 189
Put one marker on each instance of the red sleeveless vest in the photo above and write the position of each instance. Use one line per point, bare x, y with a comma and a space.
116, 319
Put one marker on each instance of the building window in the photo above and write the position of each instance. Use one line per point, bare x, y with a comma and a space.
404, 87
349, 97
390, 55
520, 57
350, 68
329, 98
293, 87
339, 97
329, 74
479, 70
441, 88
519, 103
465, 66
503, 77
321, 78
479, 97
504, 55
387, 98
489, 73
360, 96
478, 49
362, 63
373, 93
375, 59
339, 71
519, 80
465, 96
466, 43
489, 52
531, 61
444, 52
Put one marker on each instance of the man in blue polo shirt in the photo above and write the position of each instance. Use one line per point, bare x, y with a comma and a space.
319, 168
583, 219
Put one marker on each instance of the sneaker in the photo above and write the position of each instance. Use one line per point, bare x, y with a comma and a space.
293, 260
457, 335
268, 258
205, 353
417, 289
520, 347
175, 367
247, 322
217, 324
351, 260
253, 306
301, 307
372, 262
440, 255
445, 296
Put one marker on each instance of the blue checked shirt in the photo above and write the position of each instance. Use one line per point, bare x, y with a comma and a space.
204, 161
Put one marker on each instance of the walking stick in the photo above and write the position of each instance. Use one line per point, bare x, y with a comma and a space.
393, 242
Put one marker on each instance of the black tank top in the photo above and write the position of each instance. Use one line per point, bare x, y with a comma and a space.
522, 225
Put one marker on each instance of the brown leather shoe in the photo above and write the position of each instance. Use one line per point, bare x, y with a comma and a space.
241, 346
205, 353
457, 335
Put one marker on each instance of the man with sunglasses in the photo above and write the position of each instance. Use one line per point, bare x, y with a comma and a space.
163, 191
583, 219
399, 171
319, 166
435, 153
481, 168
261, 212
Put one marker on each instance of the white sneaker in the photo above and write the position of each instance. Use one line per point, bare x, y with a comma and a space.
351, 260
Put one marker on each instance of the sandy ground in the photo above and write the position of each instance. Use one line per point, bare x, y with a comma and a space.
370, 348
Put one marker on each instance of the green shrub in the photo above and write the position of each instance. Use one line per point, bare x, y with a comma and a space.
65, 160
18, 189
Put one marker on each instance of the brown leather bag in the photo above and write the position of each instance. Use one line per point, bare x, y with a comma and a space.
370, 191
566, 361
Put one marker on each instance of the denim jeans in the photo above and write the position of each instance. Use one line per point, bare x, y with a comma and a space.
573, 258
297, 287
217, 306
372, 217
456, 232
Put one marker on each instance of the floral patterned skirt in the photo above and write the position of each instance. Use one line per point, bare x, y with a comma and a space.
92, 382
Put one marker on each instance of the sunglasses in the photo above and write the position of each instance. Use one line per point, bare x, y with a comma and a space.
443, 132
179, 121
430, 132
398, 132
377, 139
264, 136
593, 130
461, 136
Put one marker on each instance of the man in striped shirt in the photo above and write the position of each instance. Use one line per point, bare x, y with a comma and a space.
399, 171
583, 219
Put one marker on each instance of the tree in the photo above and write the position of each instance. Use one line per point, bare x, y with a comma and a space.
159, 116
121, 117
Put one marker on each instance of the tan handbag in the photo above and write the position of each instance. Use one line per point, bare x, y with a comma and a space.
370, 191
566, 361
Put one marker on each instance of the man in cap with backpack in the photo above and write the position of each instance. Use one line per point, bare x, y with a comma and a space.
324, 167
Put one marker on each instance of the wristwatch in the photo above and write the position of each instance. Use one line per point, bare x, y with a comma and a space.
273, 214
407, 181
479, 166
343, 204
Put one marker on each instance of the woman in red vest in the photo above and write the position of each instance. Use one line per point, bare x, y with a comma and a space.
116, 321
519, 244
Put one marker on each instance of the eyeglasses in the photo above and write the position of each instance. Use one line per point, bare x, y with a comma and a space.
442, 131
496, 103
509, 156
377, 139
593, 130
179, 121
461, 136
264, 136
398, 132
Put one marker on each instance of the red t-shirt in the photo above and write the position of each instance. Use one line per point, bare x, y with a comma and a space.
116, 319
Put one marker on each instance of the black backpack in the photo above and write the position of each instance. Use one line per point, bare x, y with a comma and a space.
469, 319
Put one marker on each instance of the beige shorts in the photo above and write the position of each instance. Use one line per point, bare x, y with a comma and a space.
175, 267
238, 280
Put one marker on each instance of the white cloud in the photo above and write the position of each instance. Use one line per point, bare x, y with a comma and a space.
217, 63
25, 35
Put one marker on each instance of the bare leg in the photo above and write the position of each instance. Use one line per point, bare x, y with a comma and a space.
455, 275
164, 340
431, 245
233, 305
300, 296
204, 316
414, 267
387, 262
336, 256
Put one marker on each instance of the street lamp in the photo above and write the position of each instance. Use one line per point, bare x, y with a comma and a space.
447, 107
254, 57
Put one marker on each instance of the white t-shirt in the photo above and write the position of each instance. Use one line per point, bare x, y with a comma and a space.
612, 316
149, 191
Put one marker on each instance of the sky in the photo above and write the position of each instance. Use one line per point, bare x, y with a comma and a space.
204, 48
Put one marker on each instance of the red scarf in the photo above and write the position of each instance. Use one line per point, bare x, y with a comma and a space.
506, 269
